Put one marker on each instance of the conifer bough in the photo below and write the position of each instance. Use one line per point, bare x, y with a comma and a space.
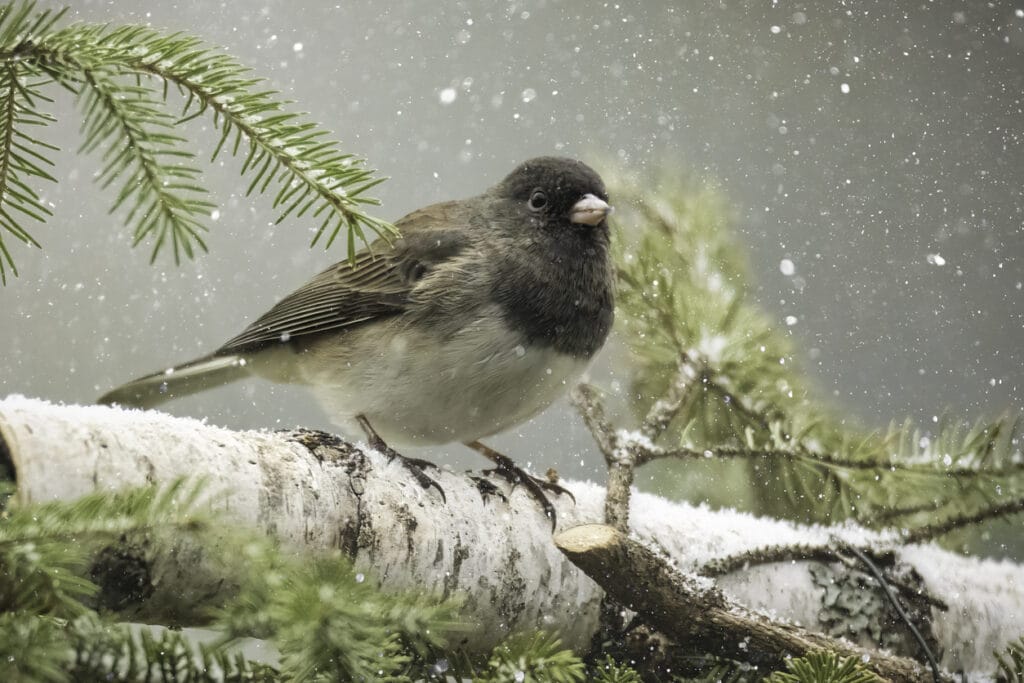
121, 76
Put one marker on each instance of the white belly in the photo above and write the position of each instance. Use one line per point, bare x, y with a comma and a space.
416, 391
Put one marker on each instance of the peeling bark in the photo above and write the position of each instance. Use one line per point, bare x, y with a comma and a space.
489, 544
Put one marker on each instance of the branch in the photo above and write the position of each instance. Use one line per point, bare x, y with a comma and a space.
802, 552
933, 531
665, 409
123, 74
587, 400
21, 157
314, 491
281, 149
163, 200
694, 611
621, 462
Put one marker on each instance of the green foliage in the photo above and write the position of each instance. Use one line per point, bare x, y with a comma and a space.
32, 648
159, 189
683, 305
823, 667
46, 549
23, 161
331, 623
106, 652
723, 673
682, 288
1011, 662
37, 648
610, 671
123, 76
533, 658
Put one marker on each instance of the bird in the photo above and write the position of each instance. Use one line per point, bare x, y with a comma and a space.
481, 314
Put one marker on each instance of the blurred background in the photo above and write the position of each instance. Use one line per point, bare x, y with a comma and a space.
872, 156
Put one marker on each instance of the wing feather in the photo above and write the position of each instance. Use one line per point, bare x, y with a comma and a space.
377, 286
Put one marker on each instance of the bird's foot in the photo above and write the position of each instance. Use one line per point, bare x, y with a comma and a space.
415, 466
507, 469
487, 489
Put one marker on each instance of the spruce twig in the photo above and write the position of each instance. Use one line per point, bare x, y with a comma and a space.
682, 296
123, 75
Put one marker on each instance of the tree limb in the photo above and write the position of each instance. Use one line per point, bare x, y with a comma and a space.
314, 491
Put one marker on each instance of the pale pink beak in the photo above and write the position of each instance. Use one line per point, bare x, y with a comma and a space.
590, 210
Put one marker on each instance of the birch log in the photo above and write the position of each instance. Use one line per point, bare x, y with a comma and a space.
315, 491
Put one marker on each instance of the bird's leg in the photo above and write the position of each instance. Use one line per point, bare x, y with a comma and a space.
414, 465
513, 473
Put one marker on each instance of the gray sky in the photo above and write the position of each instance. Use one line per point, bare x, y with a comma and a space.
877, 148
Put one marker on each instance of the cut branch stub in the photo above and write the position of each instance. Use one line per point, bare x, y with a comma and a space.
693, 610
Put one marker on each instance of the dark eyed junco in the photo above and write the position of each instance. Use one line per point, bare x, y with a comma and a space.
483, 313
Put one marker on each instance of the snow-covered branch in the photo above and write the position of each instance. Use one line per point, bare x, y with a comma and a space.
315, 491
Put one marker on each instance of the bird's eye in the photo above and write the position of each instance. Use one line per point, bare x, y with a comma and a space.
538, 200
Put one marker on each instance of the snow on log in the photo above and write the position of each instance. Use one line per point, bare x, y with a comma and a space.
315, 491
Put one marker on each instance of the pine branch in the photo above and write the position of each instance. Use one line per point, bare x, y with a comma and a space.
21, 156
538, 657
111, 652
823, 667
610, 671
122, 75
329, 620
164, 200
279, 148
664, 410
32, 648
687, 321
39, 648
46, 549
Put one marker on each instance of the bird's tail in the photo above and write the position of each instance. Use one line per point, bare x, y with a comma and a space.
182, 380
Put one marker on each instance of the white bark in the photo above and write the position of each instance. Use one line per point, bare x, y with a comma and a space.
498, 554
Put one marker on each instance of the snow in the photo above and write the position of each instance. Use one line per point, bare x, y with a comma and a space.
448, 95
628, 438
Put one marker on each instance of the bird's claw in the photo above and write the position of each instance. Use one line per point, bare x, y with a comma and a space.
414, 466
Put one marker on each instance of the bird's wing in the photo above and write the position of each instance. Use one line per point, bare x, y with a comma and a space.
377, 286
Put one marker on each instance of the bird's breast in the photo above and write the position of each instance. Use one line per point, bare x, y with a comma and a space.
417, 386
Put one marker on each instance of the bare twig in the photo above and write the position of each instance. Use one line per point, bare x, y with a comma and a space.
665, 409
646, 452
883, 582
621, 461
620, 478
587, 400
926, 533
801, 552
